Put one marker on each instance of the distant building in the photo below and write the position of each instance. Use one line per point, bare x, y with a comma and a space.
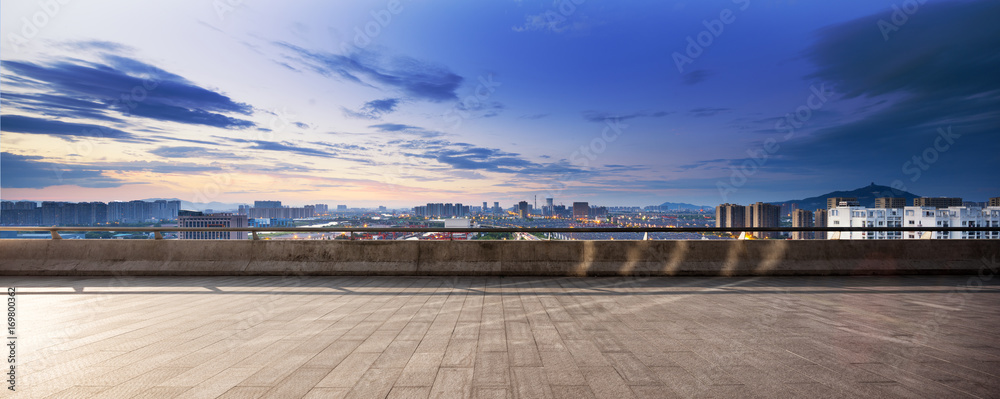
995, 201
599, 211
841, 201
213, 220
763, 215
307, 211
802, 218
439, 210
730, 215
819, 220
341, 208
57, 213
322, 209
561, 211
581, 210
267, 204
266, 222
548, 207
890, 202
522, 210
937, 202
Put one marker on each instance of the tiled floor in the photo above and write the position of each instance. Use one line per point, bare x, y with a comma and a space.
375, 337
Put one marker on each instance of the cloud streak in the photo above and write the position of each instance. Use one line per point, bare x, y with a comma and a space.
119, 87
415, 78
599, 116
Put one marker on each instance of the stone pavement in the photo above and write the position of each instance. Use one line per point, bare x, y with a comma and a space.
398, 337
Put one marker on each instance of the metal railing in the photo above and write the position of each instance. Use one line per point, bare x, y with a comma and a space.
158, 231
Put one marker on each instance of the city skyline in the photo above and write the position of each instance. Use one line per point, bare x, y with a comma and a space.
404, 103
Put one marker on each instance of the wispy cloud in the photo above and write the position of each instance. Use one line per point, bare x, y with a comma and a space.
465, 156
415, 78
555, 21
707, 111
374, 109
27, 124
191, 152
599, 116
108, 90
284, 147
25, 171
696, 76
398, 127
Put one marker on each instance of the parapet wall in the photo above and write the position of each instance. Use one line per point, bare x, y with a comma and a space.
494, 258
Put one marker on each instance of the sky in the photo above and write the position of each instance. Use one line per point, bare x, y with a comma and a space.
404, 102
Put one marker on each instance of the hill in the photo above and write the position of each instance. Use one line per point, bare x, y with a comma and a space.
865, 195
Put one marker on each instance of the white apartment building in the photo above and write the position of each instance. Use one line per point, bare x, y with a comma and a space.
858, 216
954, 216
913, 216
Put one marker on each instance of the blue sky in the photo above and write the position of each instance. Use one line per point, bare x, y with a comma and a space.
616, 103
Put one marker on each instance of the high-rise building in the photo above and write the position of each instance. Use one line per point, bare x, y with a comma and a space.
561, 211
439, 210
802, 218
763, 215
21, 213
599, 211
341, 208
995, 201
890, 202
485, 208
522, 209
937, 202
322, 209
730, 215
267, 204
213, 220
19, 205
548, 207
581, 210
841, 201
819, 220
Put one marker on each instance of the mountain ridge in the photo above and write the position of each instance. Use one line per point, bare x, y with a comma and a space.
865, 195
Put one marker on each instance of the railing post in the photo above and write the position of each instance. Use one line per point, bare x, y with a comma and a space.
55, 235
254, 233
157, 235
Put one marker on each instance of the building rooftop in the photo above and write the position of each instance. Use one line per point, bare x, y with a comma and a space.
908, 336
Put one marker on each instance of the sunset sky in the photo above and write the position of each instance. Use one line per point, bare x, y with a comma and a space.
400, 103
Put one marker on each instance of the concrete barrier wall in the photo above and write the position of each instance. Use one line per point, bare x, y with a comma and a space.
495, 258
